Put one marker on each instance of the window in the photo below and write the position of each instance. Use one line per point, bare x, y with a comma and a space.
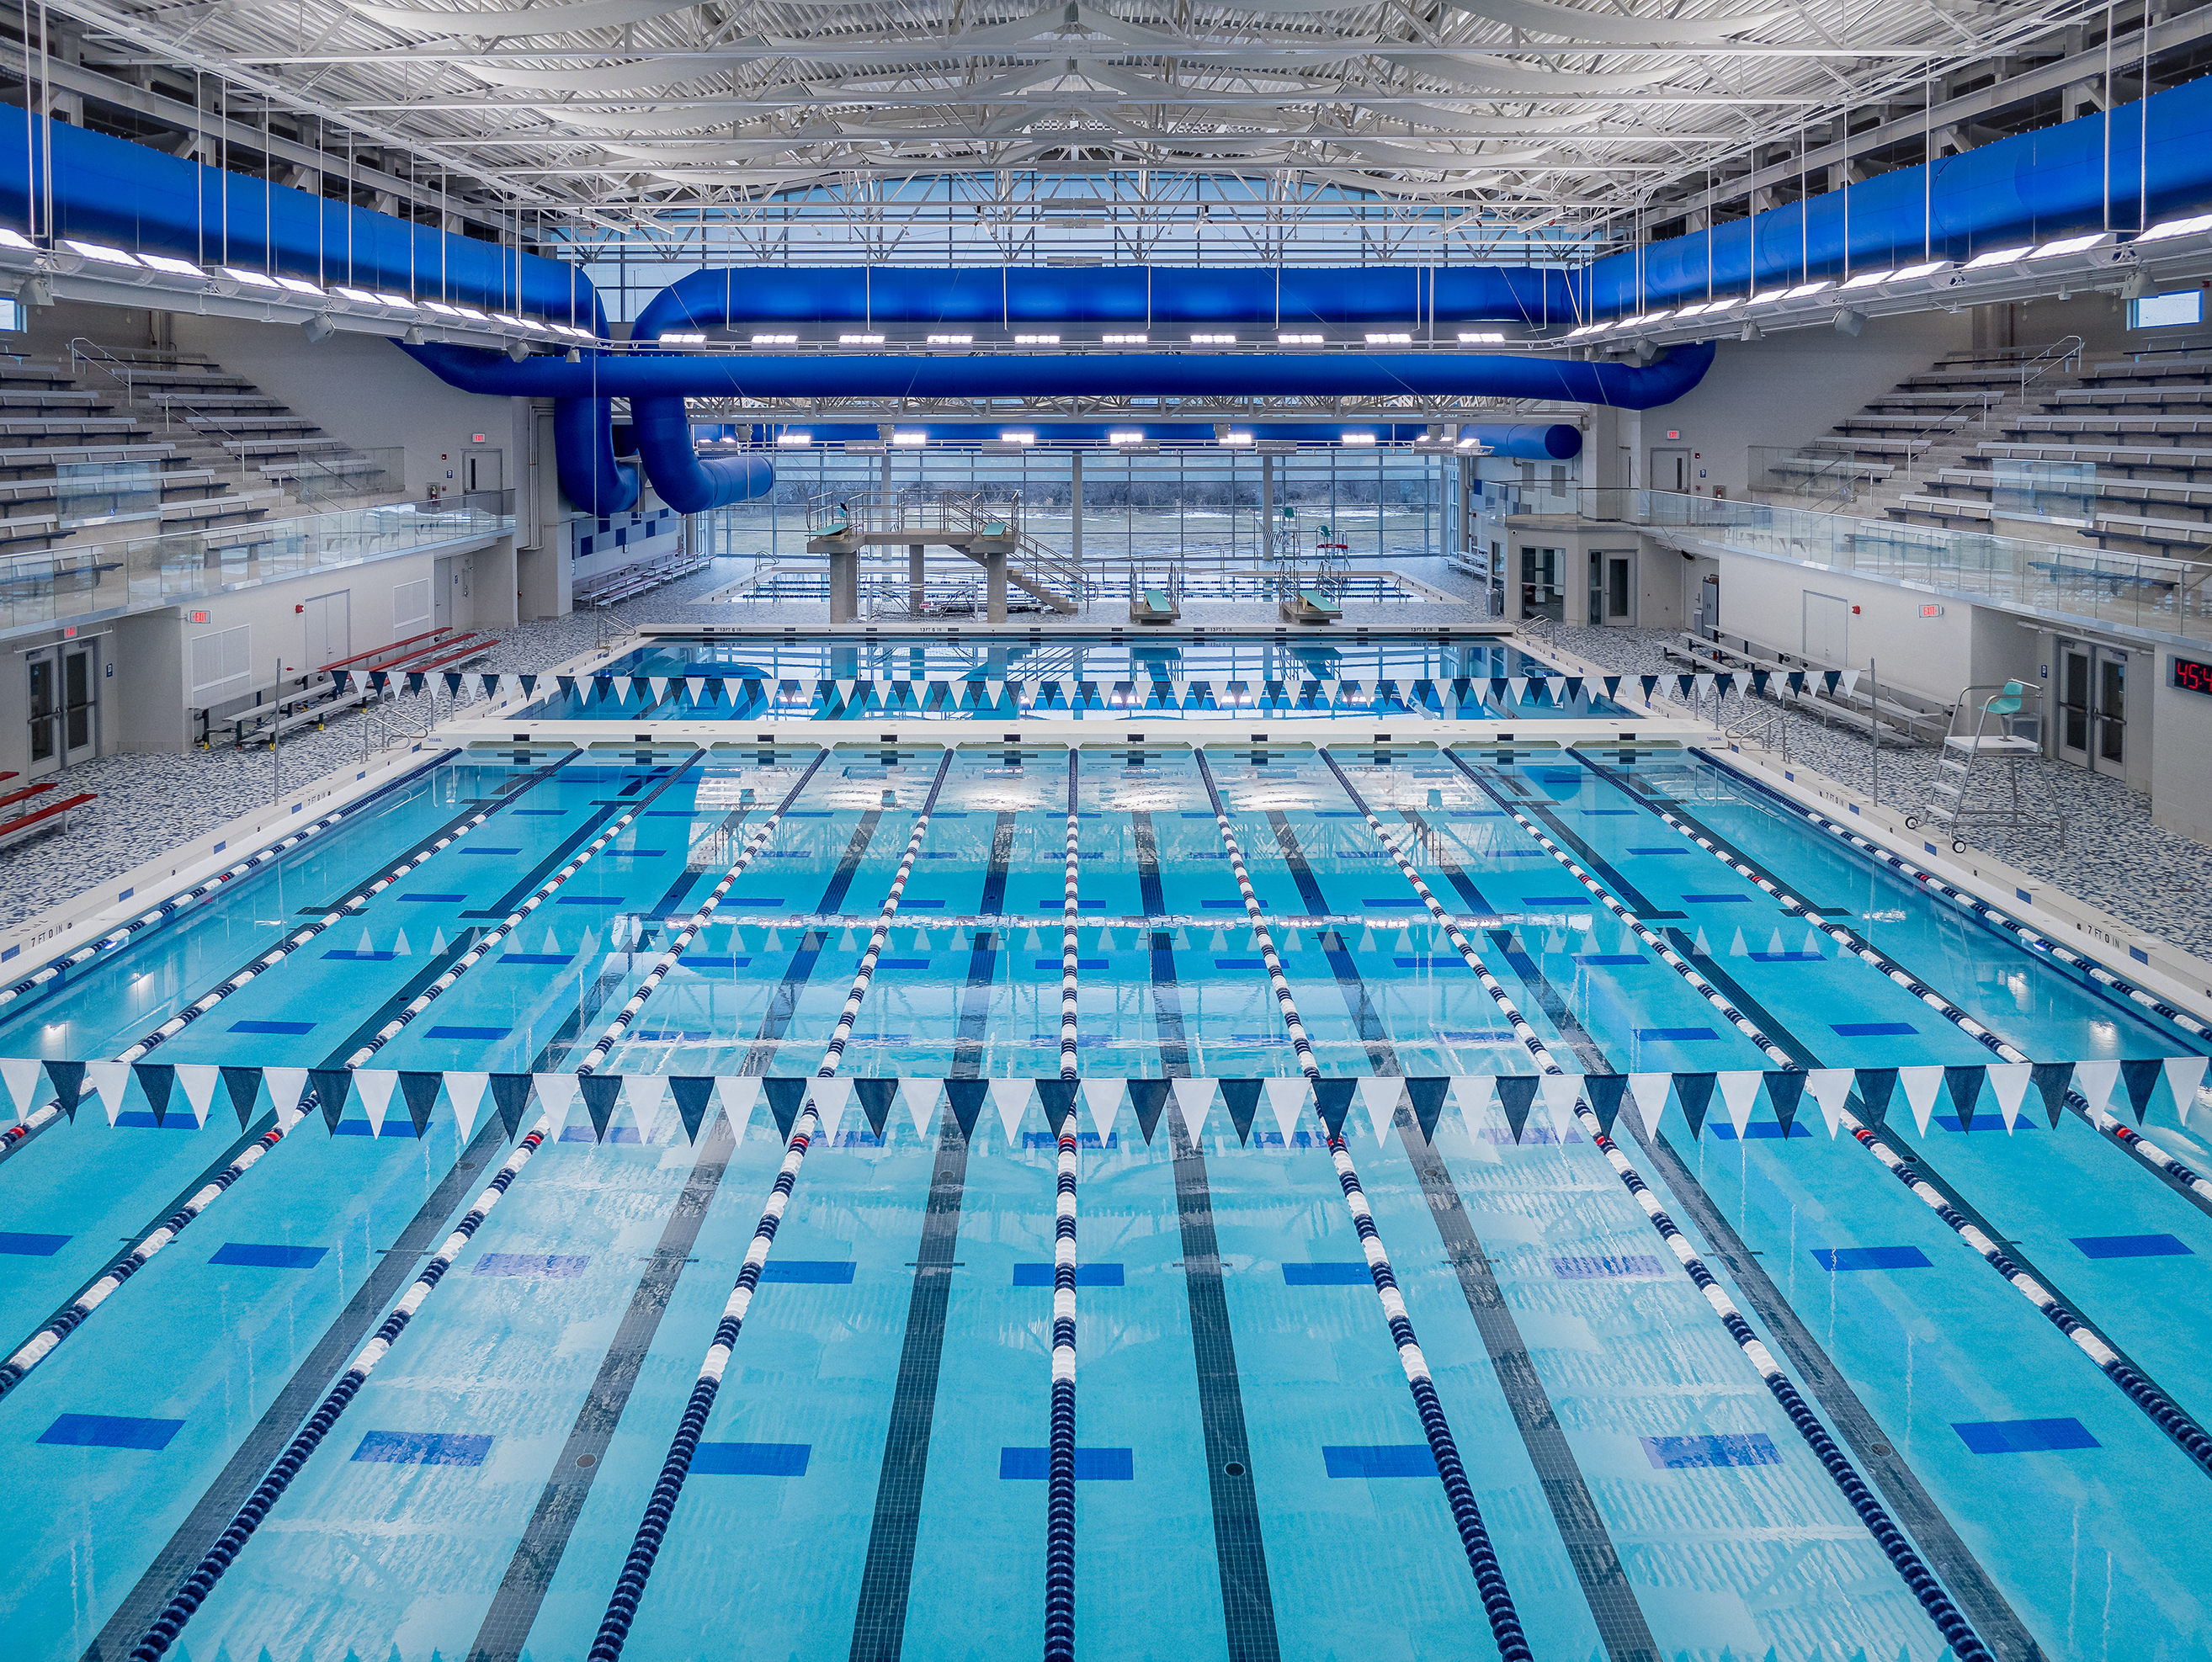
12, 317
2172, 311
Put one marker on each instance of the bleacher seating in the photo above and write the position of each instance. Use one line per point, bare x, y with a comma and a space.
35, 810
631, 581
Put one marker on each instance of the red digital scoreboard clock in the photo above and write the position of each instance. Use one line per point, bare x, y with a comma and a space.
2195, 676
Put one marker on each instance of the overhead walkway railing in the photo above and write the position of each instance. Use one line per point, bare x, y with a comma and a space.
2148, 595
93, 581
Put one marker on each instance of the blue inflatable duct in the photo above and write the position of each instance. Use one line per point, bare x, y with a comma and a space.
684, 481
584, 458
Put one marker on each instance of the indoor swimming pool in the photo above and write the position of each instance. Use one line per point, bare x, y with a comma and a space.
879, 980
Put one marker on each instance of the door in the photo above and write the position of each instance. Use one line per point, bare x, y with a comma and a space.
1709, 603
80, 716
45, 712
1670, 470
1543, 588
2093, 707
329, 630
1827, 629
442, 589
64, 713
482, 470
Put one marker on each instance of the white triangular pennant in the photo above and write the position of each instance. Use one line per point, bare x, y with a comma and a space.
1851, 682
831, 1097
375, 1086
1517, 688
2095, 1080
1286, 1099
556, 1097
1650, 1090
1705, 686
286, 1086
740, 1094
1560, 1092
1011, 1097
1832, 1088
1920, 1085
1380, 1098
921, 1098
1740, 1092
21, 1074
659, 685
2008, 1081
1194, 1098
696, 686
1103, 1097
466, 1090
647, 1092
1474, 1093
199, 1079
2182, 1074
111, 1080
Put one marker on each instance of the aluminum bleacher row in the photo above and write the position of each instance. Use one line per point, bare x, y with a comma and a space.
33, 809
349, 682
634, 580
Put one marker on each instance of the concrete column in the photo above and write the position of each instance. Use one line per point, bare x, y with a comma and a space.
915, 569
844, 586
994, 581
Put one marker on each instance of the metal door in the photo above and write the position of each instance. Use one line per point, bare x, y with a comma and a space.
45, 712
2093, 707
80, 710
1670, 470
483, 470
1543, 587
64, 705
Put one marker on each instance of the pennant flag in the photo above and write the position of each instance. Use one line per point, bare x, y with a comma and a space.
68, 1080
1380, 1098
1851, 682
2008, 1083
1475, 1092
375, 1086
1830, 678
1705, 685
21, 1074
1832, 1089
1651, 1092
420, 1093
1426, 1094
1612, 685
601, 1092
567, 683
1786, 1088
1740, 1093
1920, 1087
659, 685
1103, 1097
1559, 1093
510, 1096
694, 1094
966, 1097
156, 1079
1695, 1093
465, 1092
198, 1080
1759, 680
2141, 1078
832, 1098
243, 1085
332, 1087
2094, 1080
1517, 688
1650, 684
696, 686
1286, 1101
557, 1098
1965, 1085
1148, 1097
109, 1080
2183, 1076
1684, 685
1194, 1099
785, 1097
1876, 1085
1011, 1097
1332, 1101
1796, 681
1516, 1092
740, 1093
287, 1086
876, 1098
1605, 1090
528, 683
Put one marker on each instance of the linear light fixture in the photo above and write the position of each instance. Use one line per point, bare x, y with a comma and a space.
1037, 340
1125, 340
775, 340
860, 340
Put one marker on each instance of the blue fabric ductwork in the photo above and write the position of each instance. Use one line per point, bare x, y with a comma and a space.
584, 457
1009, 296
684, 481
1527, 441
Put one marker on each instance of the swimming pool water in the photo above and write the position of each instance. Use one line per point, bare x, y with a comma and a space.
869, 1481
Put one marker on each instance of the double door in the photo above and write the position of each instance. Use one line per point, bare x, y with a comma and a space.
64, 704
1611, 590
2093, 707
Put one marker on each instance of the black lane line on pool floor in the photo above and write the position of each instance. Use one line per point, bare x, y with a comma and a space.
1542, 808
1710, 969
529, 1578
1619, 1619
244, 1470
1932, 1532
887, 1576
1240, 1553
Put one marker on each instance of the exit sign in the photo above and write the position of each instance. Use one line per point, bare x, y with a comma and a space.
200, 617
476, 438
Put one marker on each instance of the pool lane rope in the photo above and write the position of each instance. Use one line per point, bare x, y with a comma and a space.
16, 1136
1475, 1537
2193, 1183
219, 1558
1060, 1499
516, 918
653, 1528
2163, 1411
702, 916
1949, 1620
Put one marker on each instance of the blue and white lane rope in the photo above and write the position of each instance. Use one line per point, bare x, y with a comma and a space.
1060, 1499
703, 915
1475, 1537
653, 1528
194, 1592
35, 1123
1949, 1620
2163, 1411
2198, 1187
514, 920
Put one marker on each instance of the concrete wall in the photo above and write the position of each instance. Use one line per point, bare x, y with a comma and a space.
2181, 766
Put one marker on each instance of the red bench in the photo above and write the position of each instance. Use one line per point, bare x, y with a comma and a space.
52, 816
